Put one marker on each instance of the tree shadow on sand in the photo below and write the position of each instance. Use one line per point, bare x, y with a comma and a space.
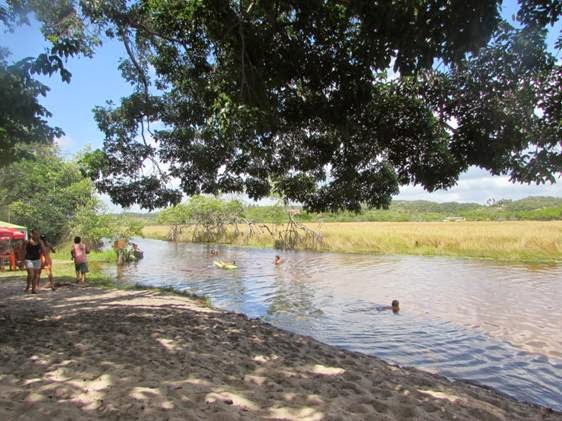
89, 353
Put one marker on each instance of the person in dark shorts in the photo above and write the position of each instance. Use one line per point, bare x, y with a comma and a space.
79, 251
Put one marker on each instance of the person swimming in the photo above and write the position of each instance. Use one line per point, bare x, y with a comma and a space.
394, 306
277, 260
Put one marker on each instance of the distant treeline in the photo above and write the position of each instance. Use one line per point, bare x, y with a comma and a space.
530, 208
536, 208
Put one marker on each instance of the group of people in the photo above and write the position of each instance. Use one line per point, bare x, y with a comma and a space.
37, 258
394, 305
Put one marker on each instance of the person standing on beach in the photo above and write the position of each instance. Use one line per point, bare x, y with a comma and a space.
79, 252
47, 262
33, 249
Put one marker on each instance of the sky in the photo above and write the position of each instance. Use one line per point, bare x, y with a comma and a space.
95, 81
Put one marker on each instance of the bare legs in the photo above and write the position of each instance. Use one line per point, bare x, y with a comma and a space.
30, 275
50, 278
32, 280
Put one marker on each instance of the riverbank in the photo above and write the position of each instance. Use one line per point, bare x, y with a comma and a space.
510, 241
84, 352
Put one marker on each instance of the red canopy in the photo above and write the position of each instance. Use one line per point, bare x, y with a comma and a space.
6, 232
12, 233
18, 235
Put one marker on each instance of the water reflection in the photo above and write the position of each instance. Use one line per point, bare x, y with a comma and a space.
497, 324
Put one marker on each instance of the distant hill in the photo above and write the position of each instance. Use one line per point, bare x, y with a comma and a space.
427, 206
530, 208
530, 203
147, 218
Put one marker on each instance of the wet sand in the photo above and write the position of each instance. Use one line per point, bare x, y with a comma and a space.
89, 353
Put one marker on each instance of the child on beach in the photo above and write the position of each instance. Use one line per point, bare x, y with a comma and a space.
47, 262
79, 252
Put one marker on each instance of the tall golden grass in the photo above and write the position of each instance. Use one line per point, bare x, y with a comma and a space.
524, 241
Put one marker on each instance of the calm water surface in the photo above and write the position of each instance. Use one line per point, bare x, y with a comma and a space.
494, 324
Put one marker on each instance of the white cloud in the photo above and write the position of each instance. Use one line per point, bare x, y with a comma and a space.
477, 185
111, 207
64, 143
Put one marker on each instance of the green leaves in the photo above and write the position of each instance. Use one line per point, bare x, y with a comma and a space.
210, 216
22, 118
45, 193
300, 95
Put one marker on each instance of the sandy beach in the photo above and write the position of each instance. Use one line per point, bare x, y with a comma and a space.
89, 353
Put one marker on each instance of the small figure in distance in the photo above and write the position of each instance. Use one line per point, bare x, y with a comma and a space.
47, 261
214, 252
277, 261
395, 307
78, 253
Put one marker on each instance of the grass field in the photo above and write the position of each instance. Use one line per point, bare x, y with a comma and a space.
517, 241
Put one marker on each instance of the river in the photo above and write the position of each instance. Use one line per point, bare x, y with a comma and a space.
496, 324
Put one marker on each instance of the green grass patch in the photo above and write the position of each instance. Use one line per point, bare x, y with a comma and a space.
508, 241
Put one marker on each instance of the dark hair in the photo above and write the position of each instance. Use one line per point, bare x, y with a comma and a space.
77, 240
395, 303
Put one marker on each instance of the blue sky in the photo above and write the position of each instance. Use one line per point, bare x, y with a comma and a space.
94, 81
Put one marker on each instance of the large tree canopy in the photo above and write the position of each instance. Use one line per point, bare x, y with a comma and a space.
45, 193
331, 103
23, 120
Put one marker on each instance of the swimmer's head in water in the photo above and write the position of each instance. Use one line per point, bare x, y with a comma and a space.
395, 306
